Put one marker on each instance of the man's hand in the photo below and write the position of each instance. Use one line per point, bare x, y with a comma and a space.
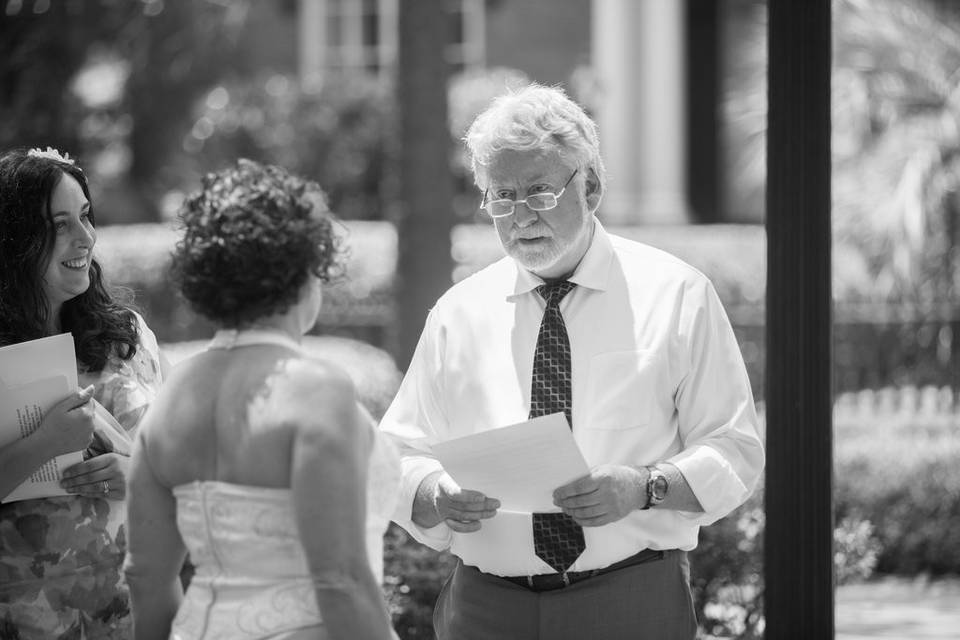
443, 499
607, 494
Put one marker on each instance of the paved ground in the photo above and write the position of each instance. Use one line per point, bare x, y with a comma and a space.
901, 609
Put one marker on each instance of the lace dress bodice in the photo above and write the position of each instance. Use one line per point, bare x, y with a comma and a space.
252, 578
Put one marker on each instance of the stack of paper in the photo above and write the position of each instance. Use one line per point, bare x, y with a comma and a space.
34, 376
519, 465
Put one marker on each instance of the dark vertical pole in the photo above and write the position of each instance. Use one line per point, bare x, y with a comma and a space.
425, 215
798, 562
704, 75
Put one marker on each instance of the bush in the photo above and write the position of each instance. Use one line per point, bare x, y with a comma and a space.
875, 345
359, 306
413, 577
338, 133
900, 472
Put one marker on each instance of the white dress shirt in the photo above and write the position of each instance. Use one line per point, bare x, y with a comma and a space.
657, 377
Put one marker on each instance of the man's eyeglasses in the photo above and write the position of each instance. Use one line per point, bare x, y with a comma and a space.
535, 202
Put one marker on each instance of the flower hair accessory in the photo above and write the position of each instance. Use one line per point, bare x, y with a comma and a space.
50, 154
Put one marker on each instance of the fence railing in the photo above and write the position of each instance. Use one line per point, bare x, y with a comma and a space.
907, 402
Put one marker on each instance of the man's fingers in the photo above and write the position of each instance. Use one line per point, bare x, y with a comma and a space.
483, 505
594, 522
463, 527
468, 496
594, 511
575, 502
580, 486
454, 512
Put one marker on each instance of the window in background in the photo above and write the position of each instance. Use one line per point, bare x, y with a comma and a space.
360, 36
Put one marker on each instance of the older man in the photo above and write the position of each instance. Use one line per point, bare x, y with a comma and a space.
630, 343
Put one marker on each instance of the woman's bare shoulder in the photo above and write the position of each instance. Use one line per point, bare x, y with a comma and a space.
313, 394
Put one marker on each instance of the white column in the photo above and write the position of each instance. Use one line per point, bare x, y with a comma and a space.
312, 25
638, 56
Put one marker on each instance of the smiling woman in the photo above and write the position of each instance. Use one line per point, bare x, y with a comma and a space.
68, 267
60, 556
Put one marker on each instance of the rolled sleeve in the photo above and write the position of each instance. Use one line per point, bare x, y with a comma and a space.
723, 454
714, 482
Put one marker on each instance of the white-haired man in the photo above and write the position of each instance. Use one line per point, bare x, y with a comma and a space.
630, 343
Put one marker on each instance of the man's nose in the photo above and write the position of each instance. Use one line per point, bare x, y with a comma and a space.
523, 215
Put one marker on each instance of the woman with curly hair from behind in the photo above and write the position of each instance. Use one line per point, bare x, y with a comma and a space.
61, 556
255, 457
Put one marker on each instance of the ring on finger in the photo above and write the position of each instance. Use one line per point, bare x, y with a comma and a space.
104, 487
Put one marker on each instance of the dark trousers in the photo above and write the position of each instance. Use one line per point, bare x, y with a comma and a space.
645, 601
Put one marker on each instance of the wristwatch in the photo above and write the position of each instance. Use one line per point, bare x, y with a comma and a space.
657, 487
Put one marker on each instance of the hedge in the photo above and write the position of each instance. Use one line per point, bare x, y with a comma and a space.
879, 342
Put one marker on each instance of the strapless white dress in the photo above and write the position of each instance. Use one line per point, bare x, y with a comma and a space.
251, 578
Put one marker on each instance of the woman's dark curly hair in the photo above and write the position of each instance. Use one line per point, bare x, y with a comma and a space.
252, 235
99, 323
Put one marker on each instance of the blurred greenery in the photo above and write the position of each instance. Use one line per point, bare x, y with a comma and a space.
151, 94
899, 471
868, 353
339, 131
896, 147
113, 83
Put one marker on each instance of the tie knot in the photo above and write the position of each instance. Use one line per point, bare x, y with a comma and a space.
554, 292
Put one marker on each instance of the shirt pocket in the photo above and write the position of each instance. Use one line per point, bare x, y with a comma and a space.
621, 390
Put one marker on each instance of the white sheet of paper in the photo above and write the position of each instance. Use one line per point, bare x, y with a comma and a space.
21, 410
520, 465
34, 376
34, 360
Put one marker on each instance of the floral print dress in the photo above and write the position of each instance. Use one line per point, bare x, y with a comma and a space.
61, 557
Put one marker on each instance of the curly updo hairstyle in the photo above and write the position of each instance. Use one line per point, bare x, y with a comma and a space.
252, 234
99, 323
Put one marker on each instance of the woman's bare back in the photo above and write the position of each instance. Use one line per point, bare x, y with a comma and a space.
232, 416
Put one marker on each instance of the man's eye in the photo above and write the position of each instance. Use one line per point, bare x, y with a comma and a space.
540, 188
504, 195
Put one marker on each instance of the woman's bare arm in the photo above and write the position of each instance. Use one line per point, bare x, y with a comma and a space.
155, 550
328, 478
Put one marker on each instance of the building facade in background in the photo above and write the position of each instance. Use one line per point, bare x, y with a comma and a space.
649, 71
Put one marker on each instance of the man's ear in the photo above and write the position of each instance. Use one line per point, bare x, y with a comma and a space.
593, 190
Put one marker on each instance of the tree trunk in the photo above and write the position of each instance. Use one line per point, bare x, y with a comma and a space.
424, 217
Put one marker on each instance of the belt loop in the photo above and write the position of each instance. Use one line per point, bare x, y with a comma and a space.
566, 579
530, 581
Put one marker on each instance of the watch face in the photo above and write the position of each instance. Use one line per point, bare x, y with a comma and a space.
658, 487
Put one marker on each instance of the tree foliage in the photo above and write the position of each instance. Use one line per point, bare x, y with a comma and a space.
896, 138
166, 52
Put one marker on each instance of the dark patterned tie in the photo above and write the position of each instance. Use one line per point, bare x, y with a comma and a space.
557, 538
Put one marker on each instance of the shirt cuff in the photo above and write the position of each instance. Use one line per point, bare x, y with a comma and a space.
712, 480
415, 469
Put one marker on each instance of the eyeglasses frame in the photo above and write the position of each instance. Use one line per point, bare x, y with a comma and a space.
484, 205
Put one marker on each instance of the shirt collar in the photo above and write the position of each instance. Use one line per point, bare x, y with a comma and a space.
593, 272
